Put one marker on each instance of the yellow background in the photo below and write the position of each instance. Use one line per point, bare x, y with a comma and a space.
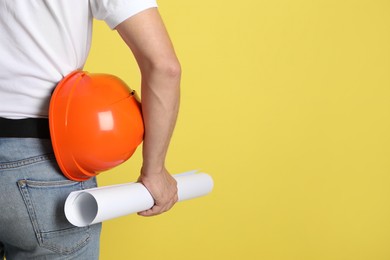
286, 103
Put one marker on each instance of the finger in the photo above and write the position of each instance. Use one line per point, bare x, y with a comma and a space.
155, 210
146, 213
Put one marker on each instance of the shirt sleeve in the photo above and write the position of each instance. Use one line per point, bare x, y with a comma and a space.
113, 12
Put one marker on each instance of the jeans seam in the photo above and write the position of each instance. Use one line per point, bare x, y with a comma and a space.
26, 161
48, 184
65, 251
30, 208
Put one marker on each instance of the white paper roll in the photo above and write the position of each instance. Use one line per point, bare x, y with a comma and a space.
86, 207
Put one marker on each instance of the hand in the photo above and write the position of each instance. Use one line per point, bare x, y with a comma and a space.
163, 188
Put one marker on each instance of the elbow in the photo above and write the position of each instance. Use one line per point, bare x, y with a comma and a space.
173, 69
168, 69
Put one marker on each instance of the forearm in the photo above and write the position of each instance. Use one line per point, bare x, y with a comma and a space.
160, 104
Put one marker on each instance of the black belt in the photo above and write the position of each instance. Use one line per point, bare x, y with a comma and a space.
28, 127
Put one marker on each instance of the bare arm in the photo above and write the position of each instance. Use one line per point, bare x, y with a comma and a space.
148, 39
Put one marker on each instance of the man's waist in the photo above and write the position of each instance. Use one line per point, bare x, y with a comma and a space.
25, 128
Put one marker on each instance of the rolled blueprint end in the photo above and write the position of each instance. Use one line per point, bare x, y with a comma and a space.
193, 185
86, 207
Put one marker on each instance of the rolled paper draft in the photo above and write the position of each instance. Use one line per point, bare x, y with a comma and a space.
90, 206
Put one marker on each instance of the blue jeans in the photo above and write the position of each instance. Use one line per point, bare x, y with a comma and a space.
32, 196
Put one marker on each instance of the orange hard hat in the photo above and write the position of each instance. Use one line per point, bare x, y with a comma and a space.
95, 124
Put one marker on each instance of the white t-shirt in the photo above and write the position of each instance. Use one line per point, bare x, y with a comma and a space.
41, 41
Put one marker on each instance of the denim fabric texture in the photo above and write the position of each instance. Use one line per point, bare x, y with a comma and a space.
32, 196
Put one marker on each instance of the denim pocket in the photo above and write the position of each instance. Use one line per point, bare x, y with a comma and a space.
45, 205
